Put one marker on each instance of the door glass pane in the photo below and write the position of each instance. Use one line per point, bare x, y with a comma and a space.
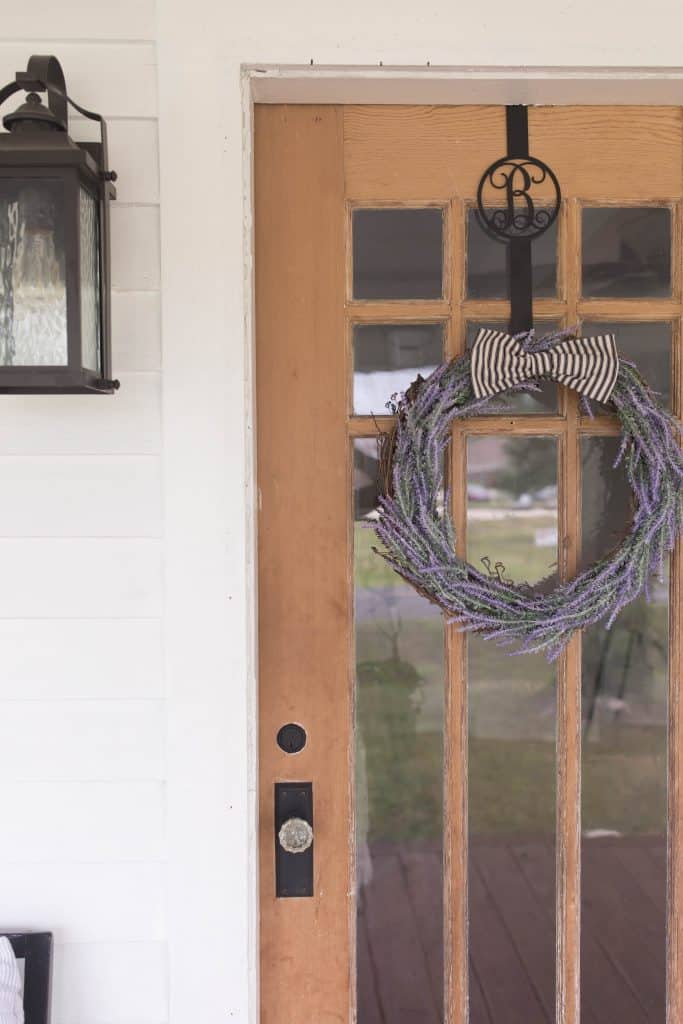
648, 345
32, 273
399, 780
398, 253
388, 357
487, 276
626, 251
543, 401
512, 518
624, 790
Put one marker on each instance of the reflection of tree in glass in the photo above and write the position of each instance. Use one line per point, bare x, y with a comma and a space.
403, 801
625, 668
529, 465
625, 713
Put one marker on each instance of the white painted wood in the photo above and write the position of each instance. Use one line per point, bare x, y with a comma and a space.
124, 982
78, 19
81, 740
134, 247
82, 726
85, 902
80, 496
136, 331
80, 578
464, 85
115, 79
53, 659
207, 563
133, 154
127, 422
76, 822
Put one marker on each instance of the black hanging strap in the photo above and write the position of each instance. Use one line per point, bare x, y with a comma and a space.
517, 122
519, 249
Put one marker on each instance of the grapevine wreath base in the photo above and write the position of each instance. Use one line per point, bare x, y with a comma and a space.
418, 534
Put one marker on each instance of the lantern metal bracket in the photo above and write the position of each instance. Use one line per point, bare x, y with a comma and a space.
44, 74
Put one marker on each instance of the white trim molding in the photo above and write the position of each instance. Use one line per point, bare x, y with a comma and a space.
272, 83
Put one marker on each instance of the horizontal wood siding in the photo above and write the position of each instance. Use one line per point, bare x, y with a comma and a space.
82, 713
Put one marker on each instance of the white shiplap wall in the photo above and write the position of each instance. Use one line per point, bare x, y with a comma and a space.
127, 793
82, 718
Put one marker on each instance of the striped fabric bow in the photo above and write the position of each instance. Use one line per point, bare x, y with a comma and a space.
588, 365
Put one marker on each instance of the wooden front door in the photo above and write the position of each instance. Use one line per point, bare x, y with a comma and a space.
490, 832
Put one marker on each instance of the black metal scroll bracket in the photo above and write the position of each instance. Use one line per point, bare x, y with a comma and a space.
44, 74
520, 274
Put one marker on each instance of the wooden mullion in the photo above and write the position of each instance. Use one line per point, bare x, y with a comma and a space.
632, 310
601, 426
568, 864
456, 335
455, 745
455, 777
553, 426
674, 944
525, 426
370, 426
674, 1001
499, 309
390, 311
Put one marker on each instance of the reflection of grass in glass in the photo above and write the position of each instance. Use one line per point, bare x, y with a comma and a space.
624, 780
399, 708
370, 568
511, 787
512, 540
630, 660
625, 682
511, 753
420, 642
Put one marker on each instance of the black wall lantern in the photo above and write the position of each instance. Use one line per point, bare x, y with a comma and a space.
54, 243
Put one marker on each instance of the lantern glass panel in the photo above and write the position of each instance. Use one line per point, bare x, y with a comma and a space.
90, 280
32, 273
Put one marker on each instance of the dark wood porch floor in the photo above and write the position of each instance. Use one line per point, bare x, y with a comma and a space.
512, 933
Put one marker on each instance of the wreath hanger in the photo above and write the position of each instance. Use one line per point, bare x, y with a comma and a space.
520, 219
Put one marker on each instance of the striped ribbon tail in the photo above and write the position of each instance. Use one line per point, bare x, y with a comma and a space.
587, 365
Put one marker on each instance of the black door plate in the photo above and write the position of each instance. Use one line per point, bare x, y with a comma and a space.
293, 871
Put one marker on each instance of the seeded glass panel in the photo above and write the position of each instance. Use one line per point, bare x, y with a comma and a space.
32, 273
398, 254
388, 357
648, 345
487, 273
512, 519
543, 401
399, 780
626, 252
624, 789
90, 280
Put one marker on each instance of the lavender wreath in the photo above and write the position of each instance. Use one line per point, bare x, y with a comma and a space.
418, 535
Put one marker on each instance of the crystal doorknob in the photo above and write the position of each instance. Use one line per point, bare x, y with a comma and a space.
295, 835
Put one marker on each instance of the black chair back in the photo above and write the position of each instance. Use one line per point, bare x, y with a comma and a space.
35, 949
